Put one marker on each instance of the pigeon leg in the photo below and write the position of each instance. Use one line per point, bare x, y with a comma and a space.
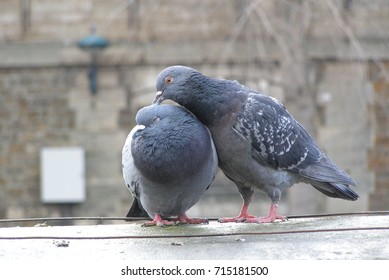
247, 195
158, 221
270, 218
240, 218
184, 219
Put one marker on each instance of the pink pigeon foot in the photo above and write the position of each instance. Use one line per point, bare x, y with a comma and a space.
158, 221
269, 219
184, 219
240, 218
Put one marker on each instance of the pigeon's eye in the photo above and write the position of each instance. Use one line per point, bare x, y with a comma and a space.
156, 119
169, 80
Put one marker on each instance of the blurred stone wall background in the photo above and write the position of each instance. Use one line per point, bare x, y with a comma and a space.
327, 61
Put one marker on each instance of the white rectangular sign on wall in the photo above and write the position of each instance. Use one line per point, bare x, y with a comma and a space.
62, 171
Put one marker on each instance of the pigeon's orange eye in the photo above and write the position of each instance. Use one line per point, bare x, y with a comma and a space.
169, 80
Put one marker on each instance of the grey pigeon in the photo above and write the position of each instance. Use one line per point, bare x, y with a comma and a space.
259, 144
169, 160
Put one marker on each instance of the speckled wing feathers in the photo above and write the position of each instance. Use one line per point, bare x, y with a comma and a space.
276, 137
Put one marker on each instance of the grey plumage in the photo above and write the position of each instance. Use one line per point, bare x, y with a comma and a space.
169, 160
259, 144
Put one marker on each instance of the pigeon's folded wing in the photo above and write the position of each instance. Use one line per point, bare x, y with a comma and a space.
278, 140
276, 137
130, 172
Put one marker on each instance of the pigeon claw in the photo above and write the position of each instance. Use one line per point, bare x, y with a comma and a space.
159, 222
181, 219
269, 219
242, 217
264, 220
239, 219
184, 219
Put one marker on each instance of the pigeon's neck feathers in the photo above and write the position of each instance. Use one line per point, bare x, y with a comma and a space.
212, 98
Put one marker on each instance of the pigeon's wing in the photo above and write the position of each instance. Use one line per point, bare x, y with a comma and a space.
277, 139
130, 172
131, 176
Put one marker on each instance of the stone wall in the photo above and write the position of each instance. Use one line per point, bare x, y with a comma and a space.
325, 60
34, 112
379, 154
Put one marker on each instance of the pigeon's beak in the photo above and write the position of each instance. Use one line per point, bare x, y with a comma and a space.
158, 97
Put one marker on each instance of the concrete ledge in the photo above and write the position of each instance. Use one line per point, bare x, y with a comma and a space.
353, 236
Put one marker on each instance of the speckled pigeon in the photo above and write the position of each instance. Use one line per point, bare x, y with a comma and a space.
169, 160
259, 144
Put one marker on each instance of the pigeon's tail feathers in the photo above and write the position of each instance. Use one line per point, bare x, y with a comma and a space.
136, 210
325, 170
335, 190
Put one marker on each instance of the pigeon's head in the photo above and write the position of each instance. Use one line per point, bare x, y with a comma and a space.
203, 96
175, 83
153, 114
169, 144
